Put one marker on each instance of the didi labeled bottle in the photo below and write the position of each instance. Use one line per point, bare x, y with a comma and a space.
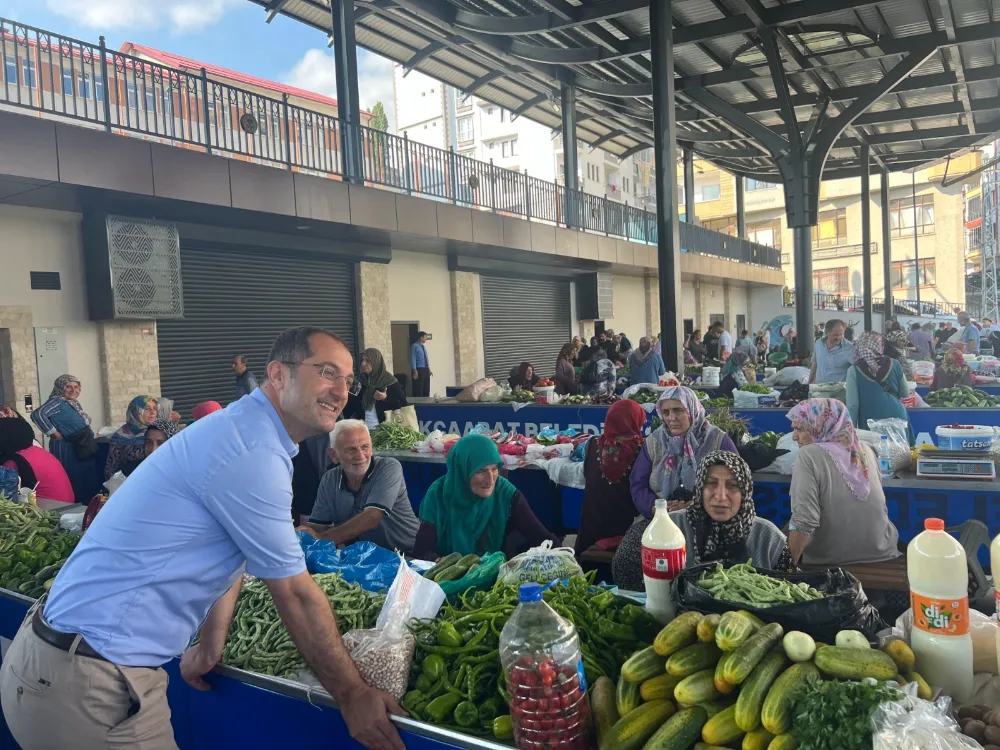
664, 555
939, 595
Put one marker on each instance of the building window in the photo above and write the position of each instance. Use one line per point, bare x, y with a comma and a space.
765, 232
167, 102
85, 84
132, 95
470, 154
752, 184
502, 115
831, 229
704, 193
904, 272
833, 280
28, 72
901, 216
262, 124
974, 208
489, 111
67, 82
423, 93
10, 69
150, 99
725, 225
465, 132
464, 100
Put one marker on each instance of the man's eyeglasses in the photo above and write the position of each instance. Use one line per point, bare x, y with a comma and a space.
330, 373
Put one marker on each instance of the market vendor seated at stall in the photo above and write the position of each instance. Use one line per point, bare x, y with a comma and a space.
720, 524
839, 515
952, 371
645, 363
156, 435
669, 458
732, 374
472, 509
364, 498
35, 467
524, 379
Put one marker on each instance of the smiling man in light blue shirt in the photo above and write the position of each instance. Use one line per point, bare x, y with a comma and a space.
166, 554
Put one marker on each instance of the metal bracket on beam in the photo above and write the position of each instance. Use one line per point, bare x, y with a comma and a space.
418, 57
483, 80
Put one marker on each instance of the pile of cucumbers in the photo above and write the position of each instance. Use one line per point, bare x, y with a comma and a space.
452, 567
962, 396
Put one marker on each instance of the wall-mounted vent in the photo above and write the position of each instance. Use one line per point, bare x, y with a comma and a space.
46, 280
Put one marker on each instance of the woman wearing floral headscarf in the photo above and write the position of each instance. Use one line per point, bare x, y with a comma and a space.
838, 507
875, 383
720, 525
607, 469
159, 432
127, 443
952, 371
71, 440
669, 459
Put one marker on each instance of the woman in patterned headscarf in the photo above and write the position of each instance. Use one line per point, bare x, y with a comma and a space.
875, 383
952, 371
721, 524
71, 440
380, 392
839, 515
669, 459
127, 443
159, 432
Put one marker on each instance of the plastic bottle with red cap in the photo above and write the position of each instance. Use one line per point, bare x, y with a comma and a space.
543, 664
939, 596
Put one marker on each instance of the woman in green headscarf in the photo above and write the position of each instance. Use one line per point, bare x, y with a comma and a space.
380, 391
472, 509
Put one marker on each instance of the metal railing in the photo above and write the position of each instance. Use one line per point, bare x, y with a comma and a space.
87, 84
910, 307
837, 251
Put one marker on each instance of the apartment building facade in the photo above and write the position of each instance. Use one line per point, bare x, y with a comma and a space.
432, 113
934, 260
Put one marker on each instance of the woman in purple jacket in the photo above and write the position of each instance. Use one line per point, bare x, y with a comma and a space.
668, 463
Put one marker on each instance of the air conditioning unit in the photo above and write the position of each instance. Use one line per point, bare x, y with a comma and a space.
133, 268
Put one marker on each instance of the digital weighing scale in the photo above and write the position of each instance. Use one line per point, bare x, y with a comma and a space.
935, 464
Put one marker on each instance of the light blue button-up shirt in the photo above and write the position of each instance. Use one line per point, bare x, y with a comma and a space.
418, 356
832, 364
176, 535
970, 337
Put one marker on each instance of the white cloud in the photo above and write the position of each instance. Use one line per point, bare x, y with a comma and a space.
181, 16
317, 71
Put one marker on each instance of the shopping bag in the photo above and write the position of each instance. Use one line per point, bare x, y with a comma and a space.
404, 415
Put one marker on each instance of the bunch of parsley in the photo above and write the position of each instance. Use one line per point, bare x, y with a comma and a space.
833, 715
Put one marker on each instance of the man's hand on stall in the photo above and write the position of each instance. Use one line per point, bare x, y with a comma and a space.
195, 664
366, 712
202, 657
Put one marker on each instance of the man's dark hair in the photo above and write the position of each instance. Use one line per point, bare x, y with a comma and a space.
293, 345
420, 335
718, 324
834, 322
745, 332
915, 327
242, 358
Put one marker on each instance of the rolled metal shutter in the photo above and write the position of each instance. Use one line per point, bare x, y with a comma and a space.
237, 302
524, 320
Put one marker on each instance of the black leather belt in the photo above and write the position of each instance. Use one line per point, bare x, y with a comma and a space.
62, 641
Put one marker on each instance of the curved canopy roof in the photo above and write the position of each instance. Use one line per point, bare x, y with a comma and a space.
916, 80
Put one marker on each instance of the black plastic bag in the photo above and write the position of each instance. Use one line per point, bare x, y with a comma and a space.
845, 606
759, 456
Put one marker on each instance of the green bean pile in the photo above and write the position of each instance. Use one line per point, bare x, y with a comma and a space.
258, 640
32, 547
392, 436
744, 585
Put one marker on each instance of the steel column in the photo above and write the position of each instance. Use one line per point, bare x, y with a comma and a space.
916, 243
741, 209
689, 214
866, 235
889, 309
348, 101
668, 242
803, 291
570, 177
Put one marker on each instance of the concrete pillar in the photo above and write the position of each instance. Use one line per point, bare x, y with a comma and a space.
130, 364
701, 308
17, 357
467, 328
586, 331
371, 292
727, 309
652, 308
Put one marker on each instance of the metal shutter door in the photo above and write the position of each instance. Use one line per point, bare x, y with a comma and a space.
237, 302
524, 320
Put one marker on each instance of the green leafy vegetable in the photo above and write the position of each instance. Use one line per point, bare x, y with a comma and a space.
831, 715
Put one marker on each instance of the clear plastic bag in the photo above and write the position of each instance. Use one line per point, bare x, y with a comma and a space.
914, 724
383, 654
541, 564
899, 440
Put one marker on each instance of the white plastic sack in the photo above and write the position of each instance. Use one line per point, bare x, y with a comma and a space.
475, 391
748, 400
915, 724
788, 376
643, 387
783, 464
72, 522
541, 564
493, 394
114, 482
565, 472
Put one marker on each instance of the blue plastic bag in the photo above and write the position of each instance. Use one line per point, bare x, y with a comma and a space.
364, 563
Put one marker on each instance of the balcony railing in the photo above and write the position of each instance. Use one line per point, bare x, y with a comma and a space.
838, 251
70, 80
855, 303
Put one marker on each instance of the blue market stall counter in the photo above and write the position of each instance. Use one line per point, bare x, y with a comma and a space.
247, 710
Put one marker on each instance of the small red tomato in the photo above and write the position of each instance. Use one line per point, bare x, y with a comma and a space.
547, 679
543, 704
530, 704
547, 724
548, 692
567, 700
560, 723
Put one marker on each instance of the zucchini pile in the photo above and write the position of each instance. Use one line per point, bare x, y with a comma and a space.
732, 680
961, 396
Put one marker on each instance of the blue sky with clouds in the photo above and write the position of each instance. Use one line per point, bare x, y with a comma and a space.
232, 33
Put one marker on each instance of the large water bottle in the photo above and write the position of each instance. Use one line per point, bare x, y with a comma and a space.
543, 665
664, 556
884, 458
